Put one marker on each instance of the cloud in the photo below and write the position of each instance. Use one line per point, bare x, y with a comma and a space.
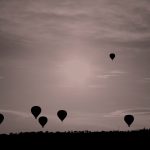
17, 113
1, 77
96, 86
118, 72
134, 111
144, 80
105, 76
113, 73
87, 120
147, 79
62, 29
24, 114
124, 23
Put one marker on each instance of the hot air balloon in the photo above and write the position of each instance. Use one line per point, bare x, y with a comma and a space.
43, 120
112, 55
129, 119
1, 118
35, 110
62, 114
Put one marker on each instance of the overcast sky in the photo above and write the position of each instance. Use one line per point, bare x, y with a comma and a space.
55, 54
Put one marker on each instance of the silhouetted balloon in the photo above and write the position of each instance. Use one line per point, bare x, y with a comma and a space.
112, 55
35, 110
1, 118
61, 114
43, 120
129, 119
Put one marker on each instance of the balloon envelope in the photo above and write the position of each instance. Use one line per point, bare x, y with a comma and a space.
1, 118
129, 119
112, 55
62, 114
35, 110
43, 120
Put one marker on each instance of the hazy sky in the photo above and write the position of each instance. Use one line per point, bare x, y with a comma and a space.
55, 54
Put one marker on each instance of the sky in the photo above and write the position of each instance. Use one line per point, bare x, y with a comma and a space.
55, 54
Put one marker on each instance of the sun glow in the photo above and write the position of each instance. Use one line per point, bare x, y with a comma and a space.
76, 72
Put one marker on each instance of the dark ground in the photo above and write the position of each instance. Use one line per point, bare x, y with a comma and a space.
97, 140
